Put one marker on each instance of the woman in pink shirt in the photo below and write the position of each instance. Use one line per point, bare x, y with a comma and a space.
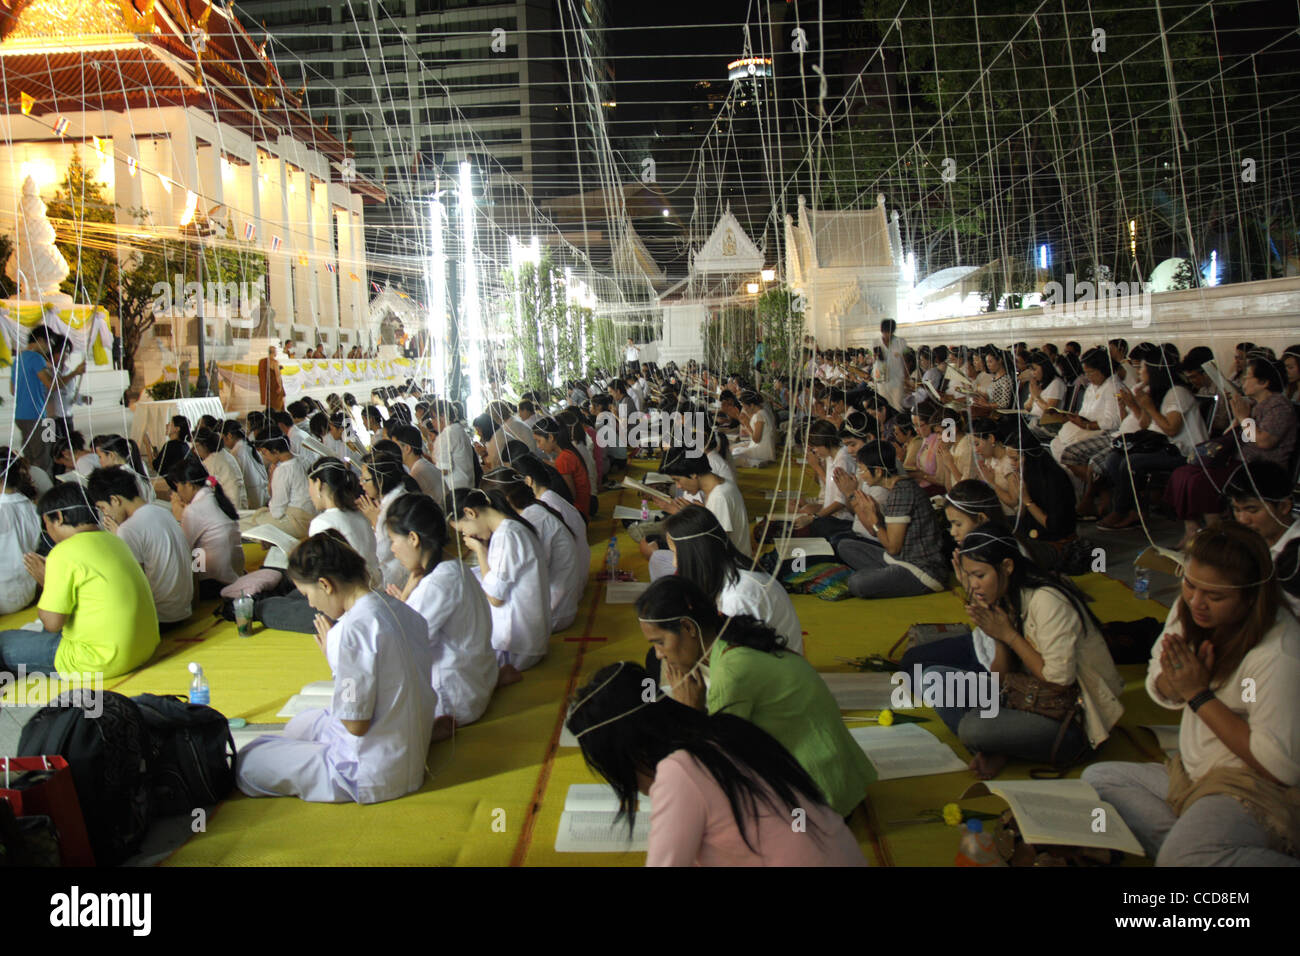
723, 792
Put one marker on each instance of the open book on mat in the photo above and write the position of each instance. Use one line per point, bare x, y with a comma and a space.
588, 823
1063, 812
624, 513
646, 490
317, 694
905, 750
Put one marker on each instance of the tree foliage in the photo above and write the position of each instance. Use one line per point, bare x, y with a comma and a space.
1023, 125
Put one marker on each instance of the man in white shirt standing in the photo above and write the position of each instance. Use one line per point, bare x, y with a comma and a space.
453, 452
632, 358
154, 537
894, 381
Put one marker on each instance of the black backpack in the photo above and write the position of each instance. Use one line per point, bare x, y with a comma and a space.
191, 754
106, 754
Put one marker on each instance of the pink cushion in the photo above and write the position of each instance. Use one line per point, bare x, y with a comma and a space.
252, 584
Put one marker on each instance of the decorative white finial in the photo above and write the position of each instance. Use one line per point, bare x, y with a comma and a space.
880, 199
36, 265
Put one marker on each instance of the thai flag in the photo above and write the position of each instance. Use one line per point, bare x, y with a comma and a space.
61, 126
249, 230
331, 268
275, 243
375, 286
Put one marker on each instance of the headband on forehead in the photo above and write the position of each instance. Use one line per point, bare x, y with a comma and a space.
990, 502
699, 534
986, 538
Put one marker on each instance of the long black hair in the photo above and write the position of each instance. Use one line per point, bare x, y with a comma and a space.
16, 475
512, 486
192, 472
327, 555
705, 554
992, 543
421, 516
386, 469
1046, 482
343, 484
127, 450
480, 498
673, 599
622, 736
532, 467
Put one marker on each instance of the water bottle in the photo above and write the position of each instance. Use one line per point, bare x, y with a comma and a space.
645, 509
611, 559
977, 847
199, 693
1141, 583
244, 614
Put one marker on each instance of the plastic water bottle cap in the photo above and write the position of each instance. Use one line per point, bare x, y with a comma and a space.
975, 826
196, 668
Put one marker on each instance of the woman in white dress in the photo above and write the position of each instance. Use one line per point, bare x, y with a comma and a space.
705, 555
383, 481
549, 488
759, 428
122, 452
450, 599
20, 533
512, 568
210, 523
371, 743
559, 549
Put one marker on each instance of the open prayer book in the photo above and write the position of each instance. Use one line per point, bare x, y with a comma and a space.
811, 548
624, 592
658, 478
905, 750
282, 543
74, 476
624, 513
1063, 812
588, 823
645, 490
1221, 382
311, 444
317, 694
870, 690
783, 495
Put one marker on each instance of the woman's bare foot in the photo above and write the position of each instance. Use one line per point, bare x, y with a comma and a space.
988, 766
508, 675
443, 727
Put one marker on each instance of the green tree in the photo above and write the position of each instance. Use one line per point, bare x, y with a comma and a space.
1021, 125
79, 205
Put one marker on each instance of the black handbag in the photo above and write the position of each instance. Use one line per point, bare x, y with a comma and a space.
1144, 442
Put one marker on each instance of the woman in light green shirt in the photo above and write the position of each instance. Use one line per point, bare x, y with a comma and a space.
739, 665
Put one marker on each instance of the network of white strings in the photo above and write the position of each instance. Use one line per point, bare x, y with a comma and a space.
805, 155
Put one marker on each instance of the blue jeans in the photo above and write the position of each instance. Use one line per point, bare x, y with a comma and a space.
1016, 733
31, 650
1214, 831
957, 652
1118, 467
873, 577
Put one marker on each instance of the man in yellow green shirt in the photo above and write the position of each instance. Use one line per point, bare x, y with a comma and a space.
96, 607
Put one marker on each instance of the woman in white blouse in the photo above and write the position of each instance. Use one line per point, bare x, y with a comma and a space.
759, 427
1046, 388
250, 465
221, 465
513, 571
452, 602
210, 523
383, 481
705, 555
1165, 422
1229, 659
1040, 630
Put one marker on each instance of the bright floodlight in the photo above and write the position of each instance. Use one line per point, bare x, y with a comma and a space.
471, 310
768, 275
752, 288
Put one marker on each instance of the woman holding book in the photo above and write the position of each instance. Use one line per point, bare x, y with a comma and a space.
723, 790
1229, 660
370, 744
752, 674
